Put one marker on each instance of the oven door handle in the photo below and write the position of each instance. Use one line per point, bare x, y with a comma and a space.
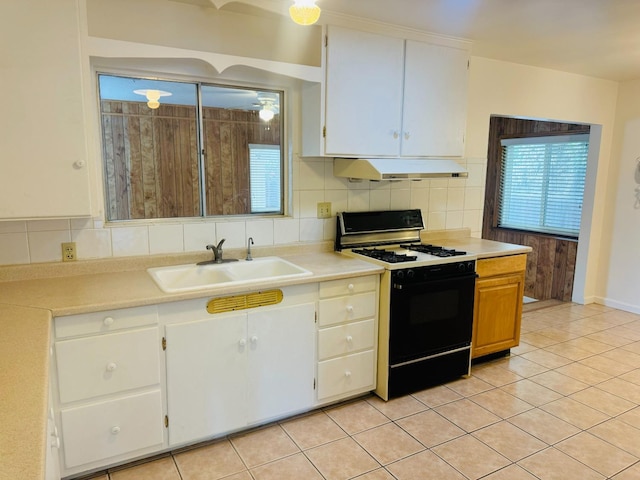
402, 284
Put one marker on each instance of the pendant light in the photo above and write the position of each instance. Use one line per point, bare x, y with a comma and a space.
153, 96
304, 12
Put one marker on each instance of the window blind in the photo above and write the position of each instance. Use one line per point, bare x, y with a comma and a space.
264, 175
542, 183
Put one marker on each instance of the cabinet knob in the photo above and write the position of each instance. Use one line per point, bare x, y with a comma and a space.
395, 134
350, 308
111, 366
407, 135
78, 164
108, 321
254, 339
242, 342
350, 287
349, 339
347, 374
115, 430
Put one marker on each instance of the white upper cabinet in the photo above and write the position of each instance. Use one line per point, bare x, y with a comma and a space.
43, 150
386, 96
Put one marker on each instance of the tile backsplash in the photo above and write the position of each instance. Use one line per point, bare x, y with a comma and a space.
445, 203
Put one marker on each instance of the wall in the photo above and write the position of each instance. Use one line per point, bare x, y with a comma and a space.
620, 276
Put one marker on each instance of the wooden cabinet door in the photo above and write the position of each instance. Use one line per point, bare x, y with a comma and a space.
42, 126
281, 344
435, 100
498, 312
206, 377
363, 93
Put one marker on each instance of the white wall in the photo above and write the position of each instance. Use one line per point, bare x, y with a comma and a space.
620, 276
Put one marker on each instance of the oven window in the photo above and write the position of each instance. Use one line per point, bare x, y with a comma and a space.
434, 307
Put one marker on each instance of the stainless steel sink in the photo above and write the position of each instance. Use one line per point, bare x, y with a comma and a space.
182, 278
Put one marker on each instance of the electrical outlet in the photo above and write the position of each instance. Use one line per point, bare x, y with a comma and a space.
69, 252
324, 209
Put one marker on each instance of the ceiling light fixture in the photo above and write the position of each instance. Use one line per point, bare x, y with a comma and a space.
266, 113
153, 96
304, 12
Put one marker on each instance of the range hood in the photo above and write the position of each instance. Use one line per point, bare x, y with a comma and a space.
396, 168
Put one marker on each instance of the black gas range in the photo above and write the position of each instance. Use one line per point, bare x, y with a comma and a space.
426, 299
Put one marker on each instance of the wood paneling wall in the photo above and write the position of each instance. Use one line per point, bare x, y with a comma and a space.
551, 264
151, 159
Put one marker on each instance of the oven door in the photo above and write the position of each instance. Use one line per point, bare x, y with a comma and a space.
430, 317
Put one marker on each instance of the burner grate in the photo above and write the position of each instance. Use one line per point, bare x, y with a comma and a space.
385, 255
434, 250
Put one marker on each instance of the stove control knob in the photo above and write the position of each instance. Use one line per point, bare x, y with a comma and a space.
462, 267
411, 274
400, 274
471, 267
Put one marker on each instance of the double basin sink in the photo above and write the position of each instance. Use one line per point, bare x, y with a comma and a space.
185, 278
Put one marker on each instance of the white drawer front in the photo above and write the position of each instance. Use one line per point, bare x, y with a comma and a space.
107, 429
347, 309
345, 339
348, 286
103, 322
346, 374
103, 364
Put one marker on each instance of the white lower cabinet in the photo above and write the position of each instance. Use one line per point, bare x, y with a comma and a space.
227, 371
347, 337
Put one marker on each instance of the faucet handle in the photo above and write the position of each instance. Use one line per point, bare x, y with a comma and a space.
220, 243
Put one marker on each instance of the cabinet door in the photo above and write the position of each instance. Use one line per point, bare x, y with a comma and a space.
435, 100
498, 312
281, 361
363, 93
206, 382
42, 127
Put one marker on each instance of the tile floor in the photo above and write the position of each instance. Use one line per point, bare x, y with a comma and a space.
564, 405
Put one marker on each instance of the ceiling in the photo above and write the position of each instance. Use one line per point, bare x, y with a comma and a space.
599, 38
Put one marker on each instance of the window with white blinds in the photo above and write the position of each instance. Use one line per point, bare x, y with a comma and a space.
542, 183
265, 178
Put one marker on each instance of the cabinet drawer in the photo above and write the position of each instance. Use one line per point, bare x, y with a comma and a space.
345, 339
348, 286
103, 364
488, 267
107, 429
346, 374
103, 322
346, 309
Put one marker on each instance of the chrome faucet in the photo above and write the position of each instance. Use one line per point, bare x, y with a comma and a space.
217, 254
249, 243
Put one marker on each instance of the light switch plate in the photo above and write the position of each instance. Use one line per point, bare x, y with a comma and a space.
324, 209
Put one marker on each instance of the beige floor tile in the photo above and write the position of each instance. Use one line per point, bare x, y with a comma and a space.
559, 382
596, 453
470, 456
609, 338
388, 443
537, 340
531, 392
603, 401
557, 334
632, 347
210, 462
512, 472
430, 428
589, 345
469, 386
631, 417
264, 445
501, 403
576, 413
435, 396
313, 430
622, 388
467, 415
546, 358
631, 473
523, 367
626, 332
524, 347
424, 466
584, 373
357, 416
495, 374
568, 351
544, 426
510, 441
295, 467
398, 407
606, 365
552, 464
380, 474
620, 434
162, 469
623, 356
240, 476
633, 376
341, 460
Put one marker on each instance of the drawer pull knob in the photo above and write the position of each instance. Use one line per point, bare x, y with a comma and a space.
242, 342
347, 374
108, 321
350, 287
349, 338
111, 367
254, 339
115, 430
350, 308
